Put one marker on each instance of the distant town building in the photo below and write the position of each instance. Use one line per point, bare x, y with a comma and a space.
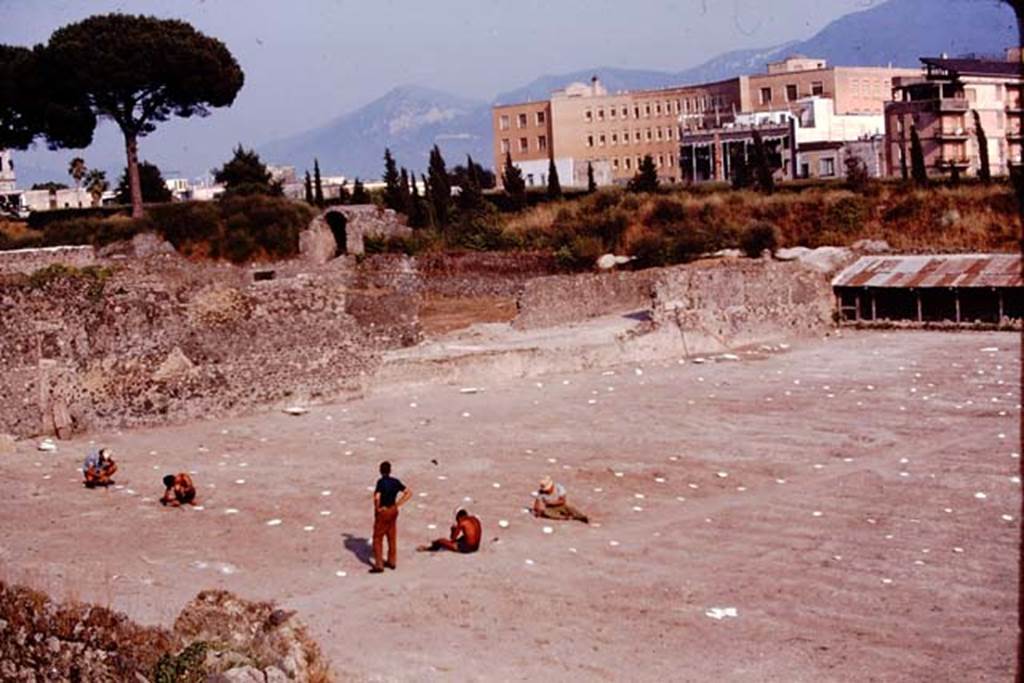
611, 132
940, 105
48, 200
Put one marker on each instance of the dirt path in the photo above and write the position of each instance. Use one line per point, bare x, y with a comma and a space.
828, 493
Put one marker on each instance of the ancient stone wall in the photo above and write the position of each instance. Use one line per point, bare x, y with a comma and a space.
737, 302
562, 299
318, 244
171, 340
30, 260
465, 275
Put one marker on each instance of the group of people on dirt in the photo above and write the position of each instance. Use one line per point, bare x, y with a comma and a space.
99, 469
389, 495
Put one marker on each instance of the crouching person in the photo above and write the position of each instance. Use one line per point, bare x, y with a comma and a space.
464, 538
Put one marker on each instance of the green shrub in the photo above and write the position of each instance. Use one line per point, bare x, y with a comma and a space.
666, 210
651, 251
95, 231
185, 223
757, 237
847, 215
189, 666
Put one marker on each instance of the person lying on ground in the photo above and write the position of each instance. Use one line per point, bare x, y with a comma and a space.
549, 502
99, 468
465, 536
179, 490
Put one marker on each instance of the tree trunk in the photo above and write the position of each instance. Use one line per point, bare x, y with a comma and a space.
131, 145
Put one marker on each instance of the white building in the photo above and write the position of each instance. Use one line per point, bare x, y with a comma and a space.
7, 177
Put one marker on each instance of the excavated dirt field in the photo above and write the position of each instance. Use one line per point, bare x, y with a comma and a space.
854, 499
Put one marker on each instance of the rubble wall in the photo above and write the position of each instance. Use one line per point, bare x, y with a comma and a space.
28, 261
564, 299
157, 341
738, 302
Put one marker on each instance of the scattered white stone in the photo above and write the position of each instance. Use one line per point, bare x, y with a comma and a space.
231, 511
325, 493
431, 526
1007, 518
591, 401
470, 390
273, 522
958, 549
638, 495
620, 474
325, 513
548, 530
308, 527
530, 562
721, 475
296, 410
496, 485
720, 613
780, 481
503, 523
693, 486
980, 496
613, 543
340, 573
598, 489
413, 405
886, 581
659, 480
239, 481
816, 513
47, 445
465, 414
637, 508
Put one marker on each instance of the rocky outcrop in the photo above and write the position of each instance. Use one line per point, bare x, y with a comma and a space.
217, 637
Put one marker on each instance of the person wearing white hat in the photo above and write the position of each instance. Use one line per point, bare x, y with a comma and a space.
549, 502
98, 468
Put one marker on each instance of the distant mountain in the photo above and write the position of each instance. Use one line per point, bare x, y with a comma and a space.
410, 120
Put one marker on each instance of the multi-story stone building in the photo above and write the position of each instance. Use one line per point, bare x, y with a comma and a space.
940, 106
585, 125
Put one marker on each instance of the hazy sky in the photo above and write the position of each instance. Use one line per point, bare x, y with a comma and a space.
307, 61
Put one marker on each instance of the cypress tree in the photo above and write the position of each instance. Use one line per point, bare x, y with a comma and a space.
359, 193
309, 188
417, 213
344, 196
439, 190
762, 165
392, 183
318, 188
591, 183
429, 214
471, 198
984, 170
515, 185
917, 167
404, 193
554, 185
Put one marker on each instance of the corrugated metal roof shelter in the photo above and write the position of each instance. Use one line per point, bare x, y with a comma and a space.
961, 288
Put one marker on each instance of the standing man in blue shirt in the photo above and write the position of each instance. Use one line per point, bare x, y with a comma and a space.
386, 501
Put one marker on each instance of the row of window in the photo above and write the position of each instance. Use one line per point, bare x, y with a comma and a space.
648, 135
524, 144
666, 108
627, 163
792, 92
522, 120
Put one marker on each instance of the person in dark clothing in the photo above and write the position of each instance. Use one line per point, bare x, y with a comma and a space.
465, 536
389, 495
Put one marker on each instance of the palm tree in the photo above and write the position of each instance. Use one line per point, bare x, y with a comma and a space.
77, 170
96, 184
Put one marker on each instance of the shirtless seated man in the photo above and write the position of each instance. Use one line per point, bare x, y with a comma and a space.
99, 468
465, 536
179, 490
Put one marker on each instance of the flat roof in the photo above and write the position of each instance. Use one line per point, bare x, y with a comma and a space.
952, 270
975, 67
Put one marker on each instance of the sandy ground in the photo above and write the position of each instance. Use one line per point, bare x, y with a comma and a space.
854, 500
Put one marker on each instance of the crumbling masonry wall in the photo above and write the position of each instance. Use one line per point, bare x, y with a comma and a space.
169, 340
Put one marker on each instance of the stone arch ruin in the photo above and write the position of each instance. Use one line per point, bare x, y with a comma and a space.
340, 230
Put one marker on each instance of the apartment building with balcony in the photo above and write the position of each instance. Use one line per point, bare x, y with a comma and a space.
940, 105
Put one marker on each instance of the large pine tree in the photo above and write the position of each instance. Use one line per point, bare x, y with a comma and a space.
471, 196
646, 178
761, 159
359, 193
439, 191
591, 183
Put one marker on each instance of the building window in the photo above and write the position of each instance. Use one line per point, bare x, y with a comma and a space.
657, 109
600, 140
817, 88
827, 167
791, 93
612, 111
505, 146
615, 138
627, 162
524, 145
590, 141
600, 114
541, 118
648, 135
671, 160
636, 112
661, 161
647, 110
542, 142
766, 95
658, 133
615, 163
625, 112
522, 120
670, 132
636, 136
503, 122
